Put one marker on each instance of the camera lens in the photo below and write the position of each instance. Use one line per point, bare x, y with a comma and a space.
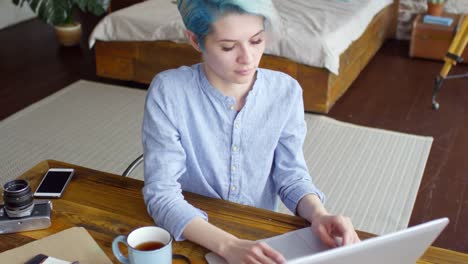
18, 198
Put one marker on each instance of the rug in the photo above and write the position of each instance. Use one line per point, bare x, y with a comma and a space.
371, 175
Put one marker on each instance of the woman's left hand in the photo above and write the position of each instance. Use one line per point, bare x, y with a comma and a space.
329, 227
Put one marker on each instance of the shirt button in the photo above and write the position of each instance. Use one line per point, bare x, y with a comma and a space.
234, 148
231, 107
233, 168
233, 188
236, 125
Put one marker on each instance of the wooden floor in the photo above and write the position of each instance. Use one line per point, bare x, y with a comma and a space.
393, 92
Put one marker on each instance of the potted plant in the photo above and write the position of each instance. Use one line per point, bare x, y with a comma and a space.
59, 13
435, 7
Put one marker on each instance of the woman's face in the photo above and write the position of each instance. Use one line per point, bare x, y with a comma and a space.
233, 50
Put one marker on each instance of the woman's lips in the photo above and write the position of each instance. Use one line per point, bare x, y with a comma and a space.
244, 72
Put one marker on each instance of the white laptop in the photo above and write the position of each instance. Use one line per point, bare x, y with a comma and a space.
403, 247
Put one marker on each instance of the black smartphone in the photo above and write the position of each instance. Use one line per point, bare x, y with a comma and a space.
54, 182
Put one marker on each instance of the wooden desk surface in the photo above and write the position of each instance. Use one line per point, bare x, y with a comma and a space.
108, 205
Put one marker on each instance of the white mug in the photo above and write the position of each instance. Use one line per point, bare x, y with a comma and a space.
143, 247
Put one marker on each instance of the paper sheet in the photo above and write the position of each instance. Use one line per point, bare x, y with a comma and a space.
292, 245
73, 244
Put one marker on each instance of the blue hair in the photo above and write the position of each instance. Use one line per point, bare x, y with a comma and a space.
199, 15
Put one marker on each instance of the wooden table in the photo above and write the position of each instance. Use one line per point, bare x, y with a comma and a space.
108, 205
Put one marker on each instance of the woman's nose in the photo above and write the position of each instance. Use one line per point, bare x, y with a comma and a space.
245, 55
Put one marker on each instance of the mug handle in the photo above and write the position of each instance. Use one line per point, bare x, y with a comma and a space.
181, 257
115, 249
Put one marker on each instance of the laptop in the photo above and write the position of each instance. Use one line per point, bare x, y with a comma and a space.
404, 246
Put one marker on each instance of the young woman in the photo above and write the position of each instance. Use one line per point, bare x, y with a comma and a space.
227, 129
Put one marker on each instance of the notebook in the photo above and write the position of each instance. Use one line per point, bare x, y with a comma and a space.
437, 20
404, 246
72, 244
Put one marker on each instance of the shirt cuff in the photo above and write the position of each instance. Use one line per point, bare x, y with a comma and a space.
172, 213
301, 190
181, 218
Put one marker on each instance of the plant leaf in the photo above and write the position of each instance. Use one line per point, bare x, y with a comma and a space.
98, 7
54, 12
81, 4
57, 12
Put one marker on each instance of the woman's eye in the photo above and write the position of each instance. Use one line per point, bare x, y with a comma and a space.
227, 48
256, 42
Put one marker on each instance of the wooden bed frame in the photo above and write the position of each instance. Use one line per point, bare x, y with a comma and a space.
140, 60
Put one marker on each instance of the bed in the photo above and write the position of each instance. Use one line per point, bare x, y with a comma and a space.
130, 46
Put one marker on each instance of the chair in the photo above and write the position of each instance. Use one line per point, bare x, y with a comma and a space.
133, 166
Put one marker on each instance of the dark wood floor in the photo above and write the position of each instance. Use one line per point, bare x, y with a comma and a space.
393, 92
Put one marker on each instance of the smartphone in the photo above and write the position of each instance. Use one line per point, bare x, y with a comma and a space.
54, 182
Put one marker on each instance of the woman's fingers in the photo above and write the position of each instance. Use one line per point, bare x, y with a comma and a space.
326, 236
333, 226
346, 230
261, 252
271, 253
349, 234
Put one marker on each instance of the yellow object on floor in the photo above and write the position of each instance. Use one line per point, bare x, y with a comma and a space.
453, 57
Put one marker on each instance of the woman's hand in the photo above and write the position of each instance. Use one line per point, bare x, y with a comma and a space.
329, 227
228, 246
247, 251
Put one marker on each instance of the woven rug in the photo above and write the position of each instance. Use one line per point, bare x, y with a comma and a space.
369, 174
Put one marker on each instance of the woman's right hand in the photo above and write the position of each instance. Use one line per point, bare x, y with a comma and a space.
247, 251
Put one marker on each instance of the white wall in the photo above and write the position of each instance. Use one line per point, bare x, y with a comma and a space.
457, 6
11, 14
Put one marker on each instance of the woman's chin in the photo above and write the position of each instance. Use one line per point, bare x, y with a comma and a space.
243, 78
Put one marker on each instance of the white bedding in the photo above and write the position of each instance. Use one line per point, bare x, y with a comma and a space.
314, 32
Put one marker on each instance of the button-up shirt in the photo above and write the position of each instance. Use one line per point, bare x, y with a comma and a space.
195, 140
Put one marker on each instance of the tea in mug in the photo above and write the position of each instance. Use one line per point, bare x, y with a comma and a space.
147, 244
150, 245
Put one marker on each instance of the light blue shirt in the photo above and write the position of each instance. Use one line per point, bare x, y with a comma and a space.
195, 140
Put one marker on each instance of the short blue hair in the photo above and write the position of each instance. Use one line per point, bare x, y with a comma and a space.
199, 15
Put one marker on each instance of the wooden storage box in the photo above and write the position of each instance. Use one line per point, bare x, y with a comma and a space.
432, 41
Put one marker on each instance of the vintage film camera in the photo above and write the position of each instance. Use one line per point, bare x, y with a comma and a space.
20, 212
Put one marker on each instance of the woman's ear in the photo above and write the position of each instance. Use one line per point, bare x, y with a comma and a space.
193, 40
